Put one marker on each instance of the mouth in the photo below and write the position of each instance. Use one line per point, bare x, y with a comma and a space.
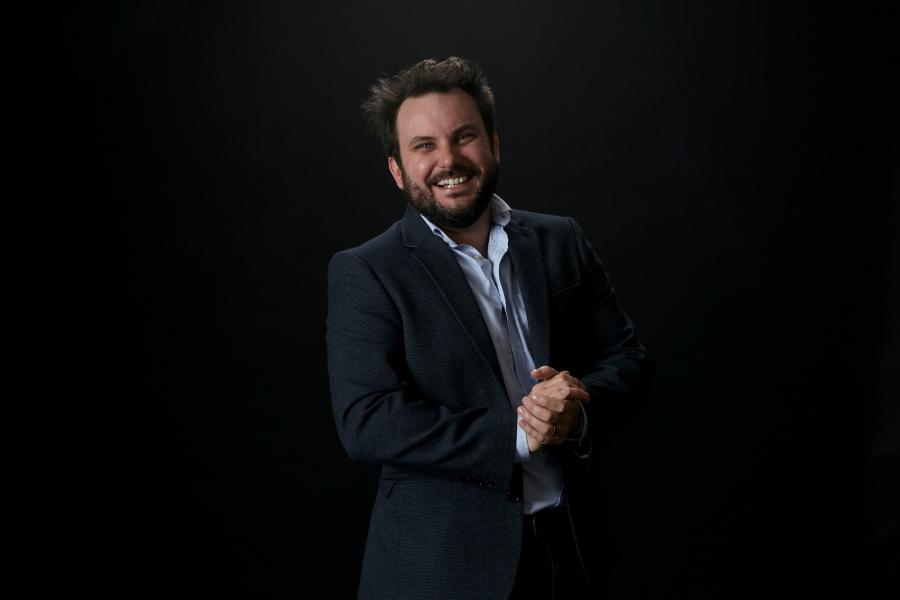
450, 183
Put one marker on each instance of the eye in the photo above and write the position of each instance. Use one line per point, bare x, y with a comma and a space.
463, 136
424, 145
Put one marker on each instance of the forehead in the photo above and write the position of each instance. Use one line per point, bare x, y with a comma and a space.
436, 113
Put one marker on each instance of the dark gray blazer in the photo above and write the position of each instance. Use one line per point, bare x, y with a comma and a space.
416, 388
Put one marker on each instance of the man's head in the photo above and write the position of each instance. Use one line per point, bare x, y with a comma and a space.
436, 124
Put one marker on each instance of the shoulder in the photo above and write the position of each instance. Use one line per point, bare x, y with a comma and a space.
374, 251
562, 239
547, 226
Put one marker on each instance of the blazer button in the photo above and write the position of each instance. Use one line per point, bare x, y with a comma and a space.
513, 497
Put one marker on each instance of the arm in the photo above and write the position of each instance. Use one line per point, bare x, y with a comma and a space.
616, 371
620, 373
382, 418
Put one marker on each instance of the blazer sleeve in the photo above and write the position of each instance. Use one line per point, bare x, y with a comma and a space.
380, 417
620, 371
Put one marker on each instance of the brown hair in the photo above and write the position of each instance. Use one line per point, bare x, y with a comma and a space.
388, 93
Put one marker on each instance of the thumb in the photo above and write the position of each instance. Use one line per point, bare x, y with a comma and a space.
544, 372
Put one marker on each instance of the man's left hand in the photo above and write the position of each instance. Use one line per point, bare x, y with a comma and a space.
551, 410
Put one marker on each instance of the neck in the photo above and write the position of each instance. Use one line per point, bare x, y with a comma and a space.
476, 234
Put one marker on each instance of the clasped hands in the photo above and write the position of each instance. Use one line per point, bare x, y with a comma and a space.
551, 410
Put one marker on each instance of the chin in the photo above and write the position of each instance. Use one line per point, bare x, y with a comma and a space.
463, 198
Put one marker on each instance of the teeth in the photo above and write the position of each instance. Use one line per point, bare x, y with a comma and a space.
452, 181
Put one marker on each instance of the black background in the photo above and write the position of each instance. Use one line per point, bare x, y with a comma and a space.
196, 164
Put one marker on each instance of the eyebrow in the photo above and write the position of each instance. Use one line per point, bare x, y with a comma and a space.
427, 138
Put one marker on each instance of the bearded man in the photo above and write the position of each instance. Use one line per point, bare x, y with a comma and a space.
478, 354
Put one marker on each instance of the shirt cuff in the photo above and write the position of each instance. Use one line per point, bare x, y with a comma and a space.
523, 454
581, 438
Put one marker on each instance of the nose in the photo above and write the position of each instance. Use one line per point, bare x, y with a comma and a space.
447, 155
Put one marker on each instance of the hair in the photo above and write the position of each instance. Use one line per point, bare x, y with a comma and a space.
429, 75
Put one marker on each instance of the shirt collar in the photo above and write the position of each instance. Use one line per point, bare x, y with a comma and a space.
500, 215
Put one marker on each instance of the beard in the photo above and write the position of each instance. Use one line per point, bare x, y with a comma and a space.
423, 199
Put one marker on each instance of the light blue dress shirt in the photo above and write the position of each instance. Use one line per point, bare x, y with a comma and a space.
496, 290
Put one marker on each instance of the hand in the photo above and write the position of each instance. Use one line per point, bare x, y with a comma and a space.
534, 444
551, 410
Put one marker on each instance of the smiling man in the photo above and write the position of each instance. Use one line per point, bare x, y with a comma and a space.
450, 184
478, 354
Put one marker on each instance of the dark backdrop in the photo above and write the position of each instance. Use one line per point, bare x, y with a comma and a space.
195, 165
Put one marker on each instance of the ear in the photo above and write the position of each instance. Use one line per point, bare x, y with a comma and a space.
396, 172
495, 146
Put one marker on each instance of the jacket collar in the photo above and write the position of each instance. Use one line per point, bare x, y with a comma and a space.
437, 260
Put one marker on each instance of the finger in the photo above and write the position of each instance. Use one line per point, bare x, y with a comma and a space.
526, 426
574, 380
527, 423
531, 432
568, 378
544, 372
572, 387
536, 409
579, 394
529, 417
553, 399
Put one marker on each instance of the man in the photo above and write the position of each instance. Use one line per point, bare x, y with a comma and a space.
479, 355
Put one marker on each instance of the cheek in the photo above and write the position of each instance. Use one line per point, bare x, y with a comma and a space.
420, 171
480, 156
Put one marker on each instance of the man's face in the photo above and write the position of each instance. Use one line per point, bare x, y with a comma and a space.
450, 165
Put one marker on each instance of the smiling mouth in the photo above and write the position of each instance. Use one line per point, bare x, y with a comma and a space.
448, 183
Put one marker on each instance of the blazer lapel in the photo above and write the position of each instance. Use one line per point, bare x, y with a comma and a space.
437, 259
528, 268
